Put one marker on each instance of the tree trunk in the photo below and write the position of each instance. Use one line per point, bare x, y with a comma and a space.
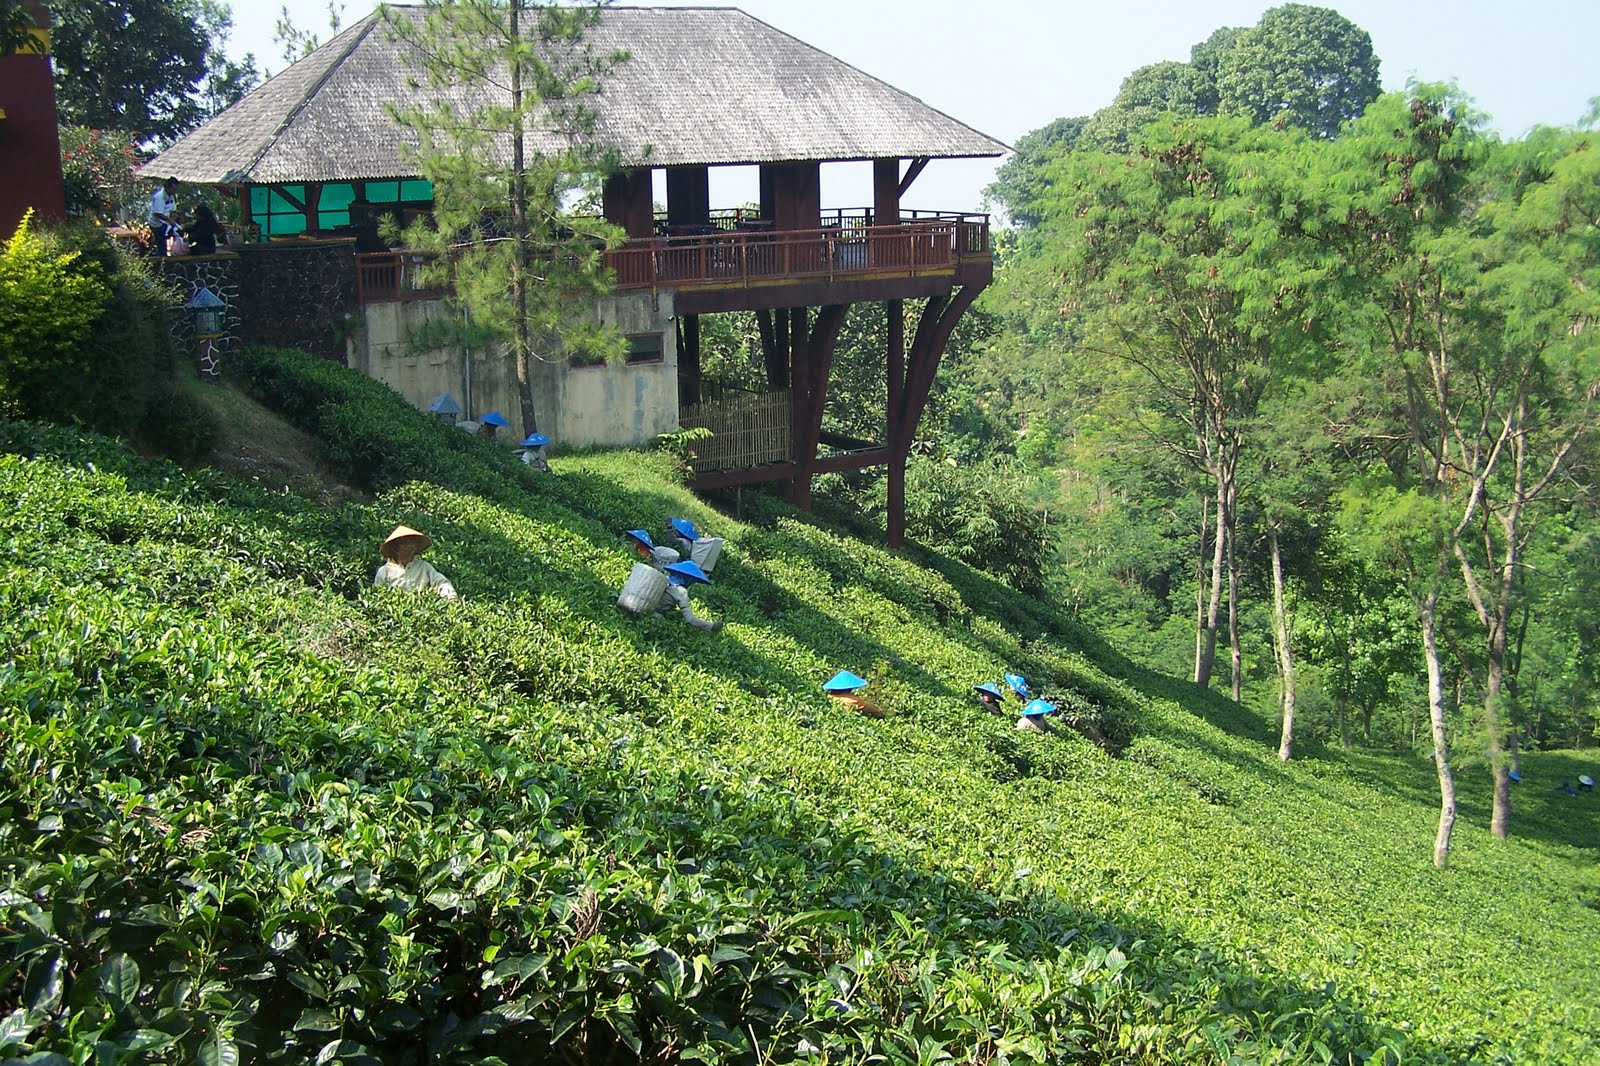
1235, 655
1200, 590
1208, 650
1441, 749
1280, 625
521, 339
1494, 719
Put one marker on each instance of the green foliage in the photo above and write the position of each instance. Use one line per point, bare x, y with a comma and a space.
254, 808
93, 343
98, 168
50, 300
1306, 66
1019, 181
369, 433
1145, 95
154, 69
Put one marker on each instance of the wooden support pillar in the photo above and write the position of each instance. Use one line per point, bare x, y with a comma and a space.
886, 192
688, 196
688, 360
774, 347
791, 195
813, 358
895, 312
627, 203
313, 211
938, 320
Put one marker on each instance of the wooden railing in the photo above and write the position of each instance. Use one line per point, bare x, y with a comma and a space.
750, 256
391, 277
847, 245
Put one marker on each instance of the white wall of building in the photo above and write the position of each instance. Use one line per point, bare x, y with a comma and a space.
615, 404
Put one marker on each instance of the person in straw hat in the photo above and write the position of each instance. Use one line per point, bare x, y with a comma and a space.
403, 570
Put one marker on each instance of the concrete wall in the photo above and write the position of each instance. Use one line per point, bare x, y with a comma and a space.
609, 405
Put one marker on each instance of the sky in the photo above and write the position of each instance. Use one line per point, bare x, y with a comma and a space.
1006, 67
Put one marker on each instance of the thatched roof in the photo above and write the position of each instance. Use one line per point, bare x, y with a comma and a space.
702, 86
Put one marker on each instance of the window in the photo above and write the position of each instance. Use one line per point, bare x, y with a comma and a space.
644, 348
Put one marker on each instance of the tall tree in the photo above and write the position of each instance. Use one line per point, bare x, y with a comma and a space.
1186, 262
154, 68
1308, 66
1020, 181
1206, 59
489, 74
1145, 95
1487, 289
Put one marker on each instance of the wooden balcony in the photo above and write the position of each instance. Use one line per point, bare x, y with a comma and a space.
737, 262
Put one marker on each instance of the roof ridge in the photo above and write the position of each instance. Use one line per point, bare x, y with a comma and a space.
371, 22
864, 73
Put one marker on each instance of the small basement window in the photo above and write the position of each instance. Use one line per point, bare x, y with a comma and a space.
644, 348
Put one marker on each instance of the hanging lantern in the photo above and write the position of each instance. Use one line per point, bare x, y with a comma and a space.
209, 312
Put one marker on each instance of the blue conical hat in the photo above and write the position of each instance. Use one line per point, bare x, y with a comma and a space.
495, 418
679, 573
989, 687
844, 681
535, 440
640, 535
1037, 709
1019, 685
685, 529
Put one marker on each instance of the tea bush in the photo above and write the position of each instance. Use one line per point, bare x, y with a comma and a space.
254, 809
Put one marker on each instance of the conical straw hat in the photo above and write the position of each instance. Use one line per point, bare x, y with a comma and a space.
404, 533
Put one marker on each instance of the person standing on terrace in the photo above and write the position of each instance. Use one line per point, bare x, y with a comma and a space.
163, 215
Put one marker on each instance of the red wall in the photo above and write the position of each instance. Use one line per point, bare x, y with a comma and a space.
30, 145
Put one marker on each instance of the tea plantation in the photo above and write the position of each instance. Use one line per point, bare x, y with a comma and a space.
253, 810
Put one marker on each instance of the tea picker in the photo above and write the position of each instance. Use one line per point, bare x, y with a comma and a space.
491, 422
989, 697
403, 570
1033, 716
1586, 782
702, 550
1019, 687
533, 451
658, 556
659, 582
843, 687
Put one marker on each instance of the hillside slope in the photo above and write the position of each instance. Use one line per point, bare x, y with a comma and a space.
252, 803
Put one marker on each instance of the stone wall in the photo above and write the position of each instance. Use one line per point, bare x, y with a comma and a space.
297, 294
220, 274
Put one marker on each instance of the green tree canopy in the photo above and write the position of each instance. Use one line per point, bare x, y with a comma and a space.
1020, 179
1307, 65
155, 68
1146, 95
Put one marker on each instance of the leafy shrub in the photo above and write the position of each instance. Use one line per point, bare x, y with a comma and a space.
50, 301
370, 433
84, 337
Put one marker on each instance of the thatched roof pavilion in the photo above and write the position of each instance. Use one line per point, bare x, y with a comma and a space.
314, 151
702, 86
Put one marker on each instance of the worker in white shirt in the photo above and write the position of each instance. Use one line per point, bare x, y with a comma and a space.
403, 570
163, 215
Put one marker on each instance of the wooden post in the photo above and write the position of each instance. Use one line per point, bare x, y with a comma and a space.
896, 357
689, 360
